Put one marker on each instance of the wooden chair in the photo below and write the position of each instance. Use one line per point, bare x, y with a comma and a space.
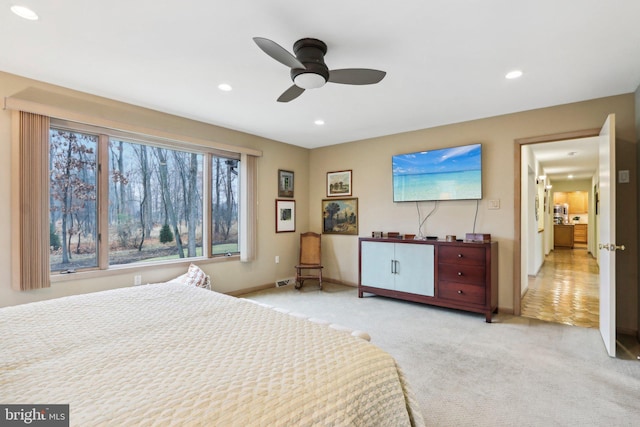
310, 261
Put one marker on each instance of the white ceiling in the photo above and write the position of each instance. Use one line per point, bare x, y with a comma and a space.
575, 157
445, 59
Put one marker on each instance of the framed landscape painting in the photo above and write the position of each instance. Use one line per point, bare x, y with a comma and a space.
339, 183
340, 216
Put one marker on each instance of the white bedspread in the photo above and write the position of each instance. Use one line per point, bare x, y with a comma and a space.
170, 354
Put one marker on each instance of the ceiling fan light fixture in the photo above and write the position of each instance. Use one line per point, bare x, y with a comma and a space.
309, 80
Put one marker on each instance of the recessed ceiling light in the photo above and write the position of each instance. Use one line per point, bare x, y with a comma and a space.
24, 12
570, 177
513, 74
319, 122
224, 87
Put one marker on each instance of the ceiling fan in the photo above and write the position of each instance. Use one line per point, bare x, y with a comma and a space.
308, 70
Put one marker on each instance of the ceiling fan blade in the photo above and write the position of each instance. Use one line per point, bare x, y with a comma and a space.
356, 76
290, 94
278, 53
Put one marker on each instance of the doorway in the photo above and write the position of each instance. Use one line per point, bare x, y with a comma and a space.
562, 277
524, 213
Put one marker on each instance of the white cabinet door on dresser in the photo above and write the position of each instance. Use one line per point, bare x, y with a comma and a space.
398, 267
414, 269
377, 265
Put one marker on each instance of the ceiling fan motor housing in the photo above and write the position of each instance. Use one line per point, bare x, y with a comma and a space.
311, 53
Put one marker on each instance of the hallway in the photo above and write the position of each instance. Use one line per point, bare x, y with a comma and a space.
565, 289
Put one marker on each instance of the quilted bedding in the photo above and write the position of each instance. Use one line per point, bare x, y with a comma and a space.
168, 354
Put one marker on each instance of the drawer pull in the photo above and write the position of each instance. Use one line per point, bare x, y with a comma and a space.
460, 292
459, 273
459, 255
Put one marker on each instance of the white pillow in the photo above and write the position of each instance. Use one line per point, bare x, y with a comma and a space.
178, 280
196, 277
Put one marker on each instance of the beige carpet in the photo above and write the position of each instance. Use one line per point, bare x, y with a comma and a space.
465, 372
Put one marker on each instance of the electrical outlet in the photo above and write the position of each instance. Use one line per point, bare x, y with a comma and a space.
494, 204
277, 259
137, 280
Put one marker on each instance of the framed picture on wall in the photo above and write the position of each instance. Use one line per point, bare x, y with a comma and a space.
339, 183
285, 183
340, 216
285, 216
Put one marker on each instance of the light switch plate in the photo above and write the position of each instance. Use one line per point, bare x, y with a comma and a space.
623, 176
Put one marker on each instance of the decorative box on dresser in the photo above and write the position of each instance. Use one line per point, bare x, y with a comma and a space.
456, 275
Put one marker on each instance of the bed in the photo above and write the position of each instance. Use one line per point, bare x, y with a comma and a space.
168, 354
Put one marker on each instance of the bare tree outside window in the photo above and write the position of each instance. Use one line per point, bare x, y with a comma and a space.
72, 200
225, 206
154, 201
153, 189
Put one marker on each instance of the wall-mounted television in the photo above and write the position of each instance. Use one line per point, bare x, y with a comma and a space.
453, 173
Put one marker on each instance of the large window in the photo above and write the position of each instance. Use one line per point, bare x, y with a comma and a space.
150, 207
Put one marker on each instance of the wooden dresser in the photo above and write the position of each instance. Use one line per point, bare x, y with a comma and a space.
457, 275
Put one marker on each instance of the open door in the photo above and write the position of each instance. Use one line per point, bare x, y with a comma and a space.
607, 234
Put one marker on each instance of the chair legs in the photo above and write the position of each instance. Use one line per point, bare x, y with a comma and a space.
300, 278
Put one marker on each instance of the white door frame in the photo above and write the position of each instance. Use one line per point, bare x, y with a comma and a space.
517, 247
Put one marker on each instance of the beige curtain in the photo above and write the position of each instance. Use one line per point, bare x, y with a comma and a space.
34, 201
248, 207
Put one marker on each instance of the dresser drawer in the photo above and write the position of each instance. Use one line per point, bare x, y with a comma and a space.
468, 255
462, 273
461, 292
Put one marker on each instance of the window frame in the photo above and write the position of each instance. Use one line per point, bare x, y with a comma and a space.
104, 136
28, 272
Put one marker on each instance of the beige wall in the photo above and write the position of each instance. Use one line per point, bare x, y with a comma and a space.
370, 161
228, 276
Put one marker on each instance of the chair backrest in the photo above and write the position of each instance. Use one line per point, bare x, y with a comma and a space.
310, 248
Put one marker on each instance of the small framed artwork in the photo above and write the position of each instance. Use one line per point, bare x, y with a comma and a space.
340, 216
285, 216
339, 183
285, 183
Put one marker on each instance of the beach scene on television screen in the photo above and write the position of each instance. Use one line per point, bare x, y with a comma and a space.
444, 174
